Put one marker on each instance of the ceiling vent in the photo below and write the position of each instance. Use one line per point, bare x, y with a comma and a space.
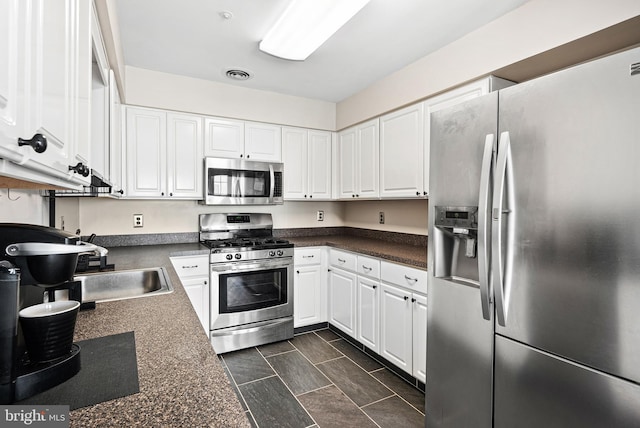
237, 74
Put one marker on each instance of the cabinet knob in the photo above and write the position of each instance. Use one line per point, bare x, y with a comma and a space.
298, 271
353, 196
305, 196
248, 156
161, 193
80, 168
417, 193
205, 282
413, 300
120, 191
374, 286
241, 155
357, 196
406, 298
38, 143
310, 196
171, 194
425, 193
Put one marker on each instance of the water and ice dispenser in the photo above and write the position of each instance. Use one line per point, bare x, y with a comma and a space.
456, 243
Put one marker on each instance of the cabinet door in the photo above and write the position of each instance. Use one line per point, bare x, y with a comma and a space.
307, 296
184, 156
402, 153
319, 165
262, 141
146, 152
368, 153
13, 49
294, 156
198, 291
223, 138
342, 300
347, 164
419, 337
115, 137
52, 83
368, 313
396, 326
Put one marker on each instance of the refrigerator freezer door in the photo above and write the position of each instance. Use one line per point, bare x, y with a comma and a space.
459, 339
559, 393
573, 253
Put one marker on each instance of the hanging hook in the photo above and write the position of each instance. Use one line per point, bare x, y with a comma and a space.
9, 195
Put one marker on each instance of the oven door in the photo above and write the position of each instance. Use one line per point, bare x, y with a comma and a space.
251, 291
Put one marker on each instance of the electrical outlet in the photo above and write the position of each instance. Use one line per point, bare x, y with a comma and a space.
320, 216
137, 220
381, 216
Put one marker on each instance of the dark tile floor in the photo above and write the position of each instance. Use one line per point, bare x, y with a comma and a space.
318, 379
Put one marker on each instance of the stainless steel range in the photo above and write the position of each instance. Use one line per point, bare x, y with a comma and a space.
251, 277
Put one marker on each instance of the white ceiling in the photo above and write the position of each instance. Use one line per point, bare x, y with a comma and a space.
190, 38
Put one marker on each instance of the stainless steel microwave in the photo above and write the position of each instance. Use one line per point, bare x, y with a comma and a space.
241, 182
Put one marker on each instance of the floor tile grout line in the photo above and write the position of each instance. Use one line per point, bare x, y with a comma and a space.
289, 389
333, 383
394, 392
233, 379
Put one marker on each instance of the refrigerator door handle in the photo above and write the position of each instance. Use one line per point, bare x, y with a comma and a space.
484, 226
498, 271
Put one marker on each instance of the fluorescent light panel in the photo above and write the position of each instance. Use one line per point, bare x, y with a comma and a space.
306, 24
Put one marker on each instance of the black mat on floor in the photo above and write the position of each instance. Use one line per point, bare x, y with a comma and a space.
108, 370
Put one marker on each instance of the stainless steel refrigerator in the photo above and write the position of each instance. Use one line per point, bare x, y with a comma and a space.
534, 253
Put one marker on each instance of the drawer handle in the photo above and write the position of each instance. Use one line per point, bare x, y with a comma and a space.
367, 268
190, 267
413, 280
342, 260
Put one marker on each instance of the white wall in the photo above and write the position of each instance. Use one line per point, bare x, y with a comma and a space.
169, 91
23, 206
104, 216
535, 27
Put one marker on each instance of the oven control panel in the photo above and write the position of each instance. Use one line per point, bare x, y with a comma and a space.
250, 255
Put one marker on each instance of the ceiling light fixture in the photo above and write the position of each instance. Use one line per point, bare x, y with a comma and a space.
306, 24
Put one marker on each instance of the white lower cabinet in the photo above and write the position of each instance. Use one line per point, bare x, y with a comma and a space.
342, 300
309, 287
383, 306
396, 335
419, 312
368, 313
193, 272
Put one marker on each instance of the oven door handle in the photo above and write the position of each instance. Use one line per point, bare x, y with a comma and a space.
253, 265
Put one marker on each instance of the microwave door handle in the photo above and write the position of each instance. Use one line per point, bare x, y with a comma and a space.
272, 181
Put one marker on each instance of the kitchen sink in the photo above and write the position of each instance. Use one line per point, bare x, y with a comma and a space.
124, 284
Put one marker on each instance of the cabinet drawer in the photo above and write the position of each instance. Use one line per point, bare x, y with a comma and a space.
342, 259
191, 266
368, 266
307, 256
404, 276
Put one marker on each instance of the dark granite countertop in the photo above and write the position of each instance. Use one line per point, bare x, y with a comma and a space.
182, 382
405, 253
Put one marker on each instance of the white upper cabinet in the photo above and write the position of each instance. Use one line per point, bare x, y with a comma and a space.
358, 161
237, 139
45, 72
262, 141
13, 79
116, 161
306, 155
184, 156
146, 153
164, 154
402, 153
